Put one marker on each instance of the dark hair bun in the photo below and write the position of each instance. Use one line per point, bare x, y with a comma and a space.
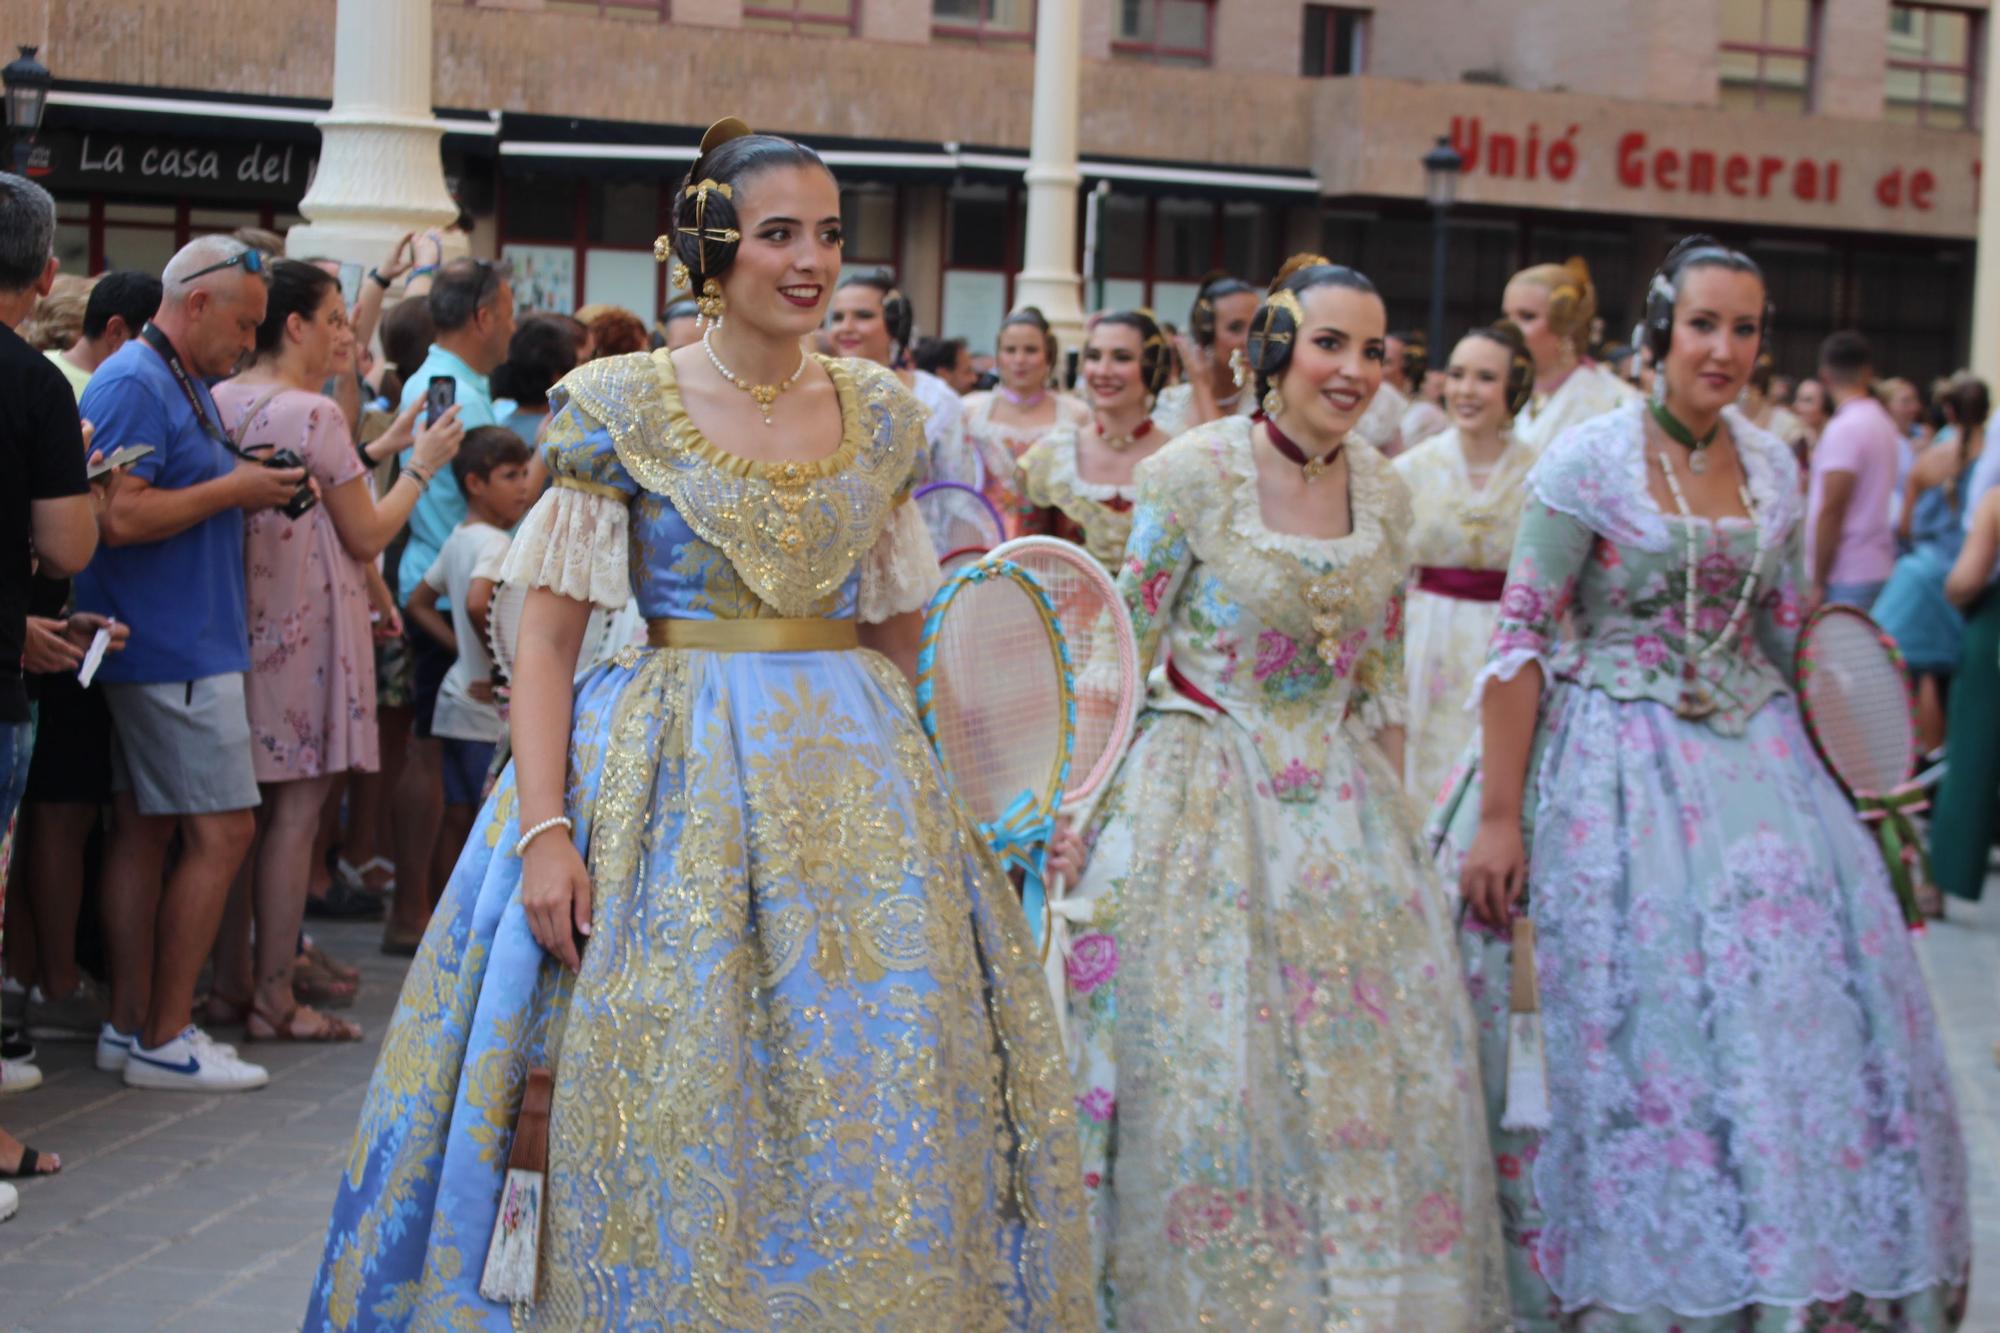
897, 315
1155, 361
1275, 328
1215, 286
706, 233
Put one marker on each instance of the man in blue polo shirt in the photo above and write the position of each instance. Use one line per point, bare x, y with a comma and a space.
171, 567
472, 309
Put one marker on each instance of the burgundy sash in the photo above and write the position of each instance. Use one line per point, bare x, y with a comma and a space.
1467, 585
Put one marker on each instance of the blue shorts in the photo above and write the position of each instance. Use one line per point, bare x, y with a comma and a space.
465, 765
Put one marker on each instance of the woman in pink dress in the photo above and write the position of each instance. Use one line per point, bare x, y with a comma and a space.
311, 687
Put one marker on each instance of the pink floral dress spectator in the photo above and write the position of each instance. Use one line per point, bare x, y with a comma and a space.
311, 688
1751, 1117
1274, 1054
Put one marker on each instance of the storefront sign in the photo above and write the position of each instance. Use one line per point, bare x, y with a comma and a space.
94, 162
1564, 151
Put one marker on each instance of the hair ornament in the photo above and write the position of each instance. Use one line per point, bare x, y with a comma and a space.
699, 192
1303, 259
721, 132
1287, 301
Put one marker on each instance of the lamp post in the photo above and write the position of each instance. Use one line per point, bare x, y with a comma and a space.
1442, 166
27, 81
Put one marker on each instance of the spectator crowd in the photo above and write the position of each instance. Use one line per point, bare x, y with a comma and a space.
244, 674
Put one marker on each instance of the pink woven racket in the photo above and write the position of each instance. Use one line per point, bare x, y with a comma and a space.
1855, 696
1103, 653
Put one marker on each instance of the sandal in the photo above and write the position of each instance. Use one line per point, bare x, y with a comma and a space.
30, 1165
220, 1011
327, 1028
326, 962
357, 875
311, 985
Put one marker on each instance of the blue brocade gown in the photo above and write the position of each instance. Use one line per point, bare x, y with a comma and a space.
808, 1075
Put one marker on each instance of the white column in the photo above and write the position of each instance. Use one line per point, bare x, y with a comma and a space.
1048, 276
1986, 273
381, 168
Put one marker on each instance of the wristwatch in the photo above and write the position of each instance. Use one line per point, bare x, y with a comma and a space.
376, 276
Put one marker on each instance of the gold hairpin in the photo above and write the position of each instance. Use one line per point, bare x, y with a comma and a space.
1287, 300
699, 192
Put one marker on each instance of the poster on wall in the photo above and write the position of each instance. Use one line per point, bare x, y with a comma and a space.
544, 277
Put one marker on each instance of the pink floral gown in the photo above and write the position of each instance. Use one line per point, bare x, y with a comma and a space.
311, 688
1273, 1050
1752, 1120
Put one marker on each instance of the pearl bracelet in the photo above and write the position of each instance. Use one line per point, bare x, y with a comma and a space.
521, 847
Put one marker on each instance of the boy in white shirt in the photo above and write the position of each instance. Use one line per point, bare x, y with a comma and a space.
492, 472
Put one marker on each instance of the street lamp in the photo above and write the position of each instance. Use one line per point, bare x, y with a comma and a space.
27, 80
1442, 166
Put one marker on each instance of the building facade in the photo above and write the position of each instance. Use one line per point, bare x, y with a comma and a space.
1837, 140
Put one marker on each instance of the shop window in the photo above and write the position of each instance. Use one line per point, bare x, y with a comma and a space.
538, 207
1121, 238
980, 218
1768, 48
1164, 32
983, 22
1336, 42
623, 214
1933, 69
1249, 241
821, 18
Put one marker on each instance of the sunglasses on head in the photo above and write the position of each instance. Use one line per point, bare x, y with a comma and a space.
249, 260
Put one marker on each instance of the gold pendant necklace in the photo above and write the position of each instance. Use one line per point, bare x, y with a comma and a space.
764, 395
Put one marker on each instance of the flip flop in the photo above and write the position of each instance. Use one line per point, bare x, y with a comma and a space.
30, 1159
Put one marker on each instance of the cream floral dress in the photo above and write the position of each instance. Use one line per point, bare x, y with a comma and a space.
1000, 447
1095, 515
1274, 1059
1457, 527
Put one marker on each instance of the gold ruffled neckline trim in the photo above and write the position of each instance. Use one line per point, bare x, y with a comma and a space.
784, 472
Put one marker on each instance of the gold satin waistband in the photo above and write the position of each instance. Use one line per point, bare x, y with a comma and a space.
754, 636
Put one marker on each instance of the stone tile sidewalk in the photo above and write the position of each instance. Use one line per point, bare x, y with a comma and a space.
207, 1213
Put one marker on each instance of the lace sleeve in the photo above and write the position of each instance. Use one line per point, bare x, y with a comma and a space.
1549, 551
900, 572
575, 540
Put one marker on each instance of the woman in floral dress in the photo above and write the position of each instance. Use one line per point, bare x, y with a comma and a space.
1004, 422
1273, 1053
1750, 1124
1077, 480
1466, 488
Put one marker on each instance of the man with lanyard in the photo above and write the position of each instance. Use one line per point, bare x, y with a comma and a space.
171, 567
472, 310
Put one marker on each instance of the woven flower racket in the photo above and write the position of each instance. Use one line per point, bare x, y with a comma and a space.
996, 697
958, 517
1855, 695
1105, 657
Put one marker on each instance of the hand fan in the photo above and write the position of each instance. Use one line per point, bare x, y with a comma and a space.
1855, 696
958, 516
1105, 658
503, 631
994, 693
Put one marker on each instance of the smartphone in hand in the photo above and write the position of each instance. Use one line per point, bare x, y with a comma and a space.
125, 457
439, 395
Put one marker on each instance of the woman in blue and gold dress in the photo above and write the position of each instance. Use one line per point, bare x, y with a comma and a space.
806, 1075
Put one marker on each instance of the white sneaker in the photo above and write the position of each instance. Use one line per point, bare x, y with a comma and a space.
10, 1201
113, 1048
192, 1063
18, 1076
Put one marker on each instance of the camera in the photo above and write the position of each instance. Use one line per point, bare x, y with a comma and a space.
303, 498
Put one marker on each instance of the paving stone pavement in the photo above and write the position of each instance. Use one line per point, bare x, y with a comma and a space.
178, 1211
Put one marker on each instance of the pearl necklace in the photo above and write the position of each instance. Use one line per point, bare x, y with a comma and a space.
1696, 702
1118, 444
764, 395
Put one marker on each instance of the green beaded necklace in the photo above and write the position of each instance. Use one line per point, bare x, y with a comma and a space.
1681, 435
